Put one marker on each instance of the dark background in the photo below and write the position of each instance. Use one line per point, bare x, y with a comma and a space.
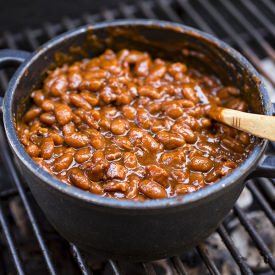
17, 14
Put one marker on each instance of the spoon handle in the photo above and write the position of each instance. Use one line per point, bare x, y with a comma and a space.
257, 125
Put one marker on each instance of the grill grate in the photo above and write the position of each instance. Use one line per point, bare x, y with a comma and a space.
249, 28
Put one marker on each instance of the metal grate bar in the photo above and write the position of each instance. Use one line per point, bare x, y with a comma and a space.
179, 265
30, 38
265, 252
261, 201
127, 11
7, 233
250, 28
259, 15
115, 267
80, 260
8, 162
146, 8
240, 42
245, 269
108, 15
195, 16
202, 250
269, 5
149, 268
166, 7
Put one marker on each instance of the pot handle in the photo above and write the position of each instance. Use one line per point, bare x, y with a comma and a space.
12, 57
266, 166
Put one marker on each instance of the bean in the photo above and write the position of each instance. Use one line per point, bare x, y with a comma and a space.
90, 98
181, 189
176, 68
143, 119
90, 120
32, 114
152, 190
129, 112
47, 118
63, 114
97, 140
47, 148
174, 111
33, 150
47, 105
123, 143
76, 140
112, 153
183, 130
78, 101
119, 126
68, 129
59, 86
74, 80
105, 123
189, 93
38, 97
63, 162
201, 164
129, 160
180, 176
196, 179
149, 91
176, 158
232, 144
237, 104
107, 95
157, 174
78, 178
157, 72
96, 188
114, 186
244, 138
116, 171
169, 140
142, 67
82, 155
92, 85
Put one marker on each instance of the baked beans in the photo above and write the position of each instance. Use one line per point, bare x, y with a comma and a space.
127, 126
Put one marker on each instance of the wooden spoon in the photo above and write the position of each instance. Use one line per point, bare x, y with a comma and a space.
257, 125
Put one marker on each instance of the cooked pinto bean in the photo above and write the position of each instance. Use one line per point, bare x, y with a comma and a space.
158, 174
63, 114
76, 140
82, 155
47, 148
78, 178
48, 118
114, 186
116, 171
152, 190
63, 162
125, 125
201, 164
119, 126
169, 140
33, 150
129, 160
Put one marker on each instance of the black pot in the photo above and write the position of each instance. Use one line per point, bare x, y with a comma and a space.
125, 229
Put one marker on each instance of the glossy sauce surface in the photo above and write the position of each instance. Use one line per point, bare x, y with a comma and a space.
127, 126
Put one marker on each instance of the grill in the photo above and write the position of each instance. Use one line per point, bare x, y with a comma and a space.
28, 244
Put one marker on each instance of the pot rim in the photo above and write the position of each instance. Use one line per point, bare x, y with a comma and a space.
74, 192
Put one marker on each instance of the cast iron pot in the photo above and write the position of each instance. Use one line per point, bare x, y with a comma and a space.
122, 229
